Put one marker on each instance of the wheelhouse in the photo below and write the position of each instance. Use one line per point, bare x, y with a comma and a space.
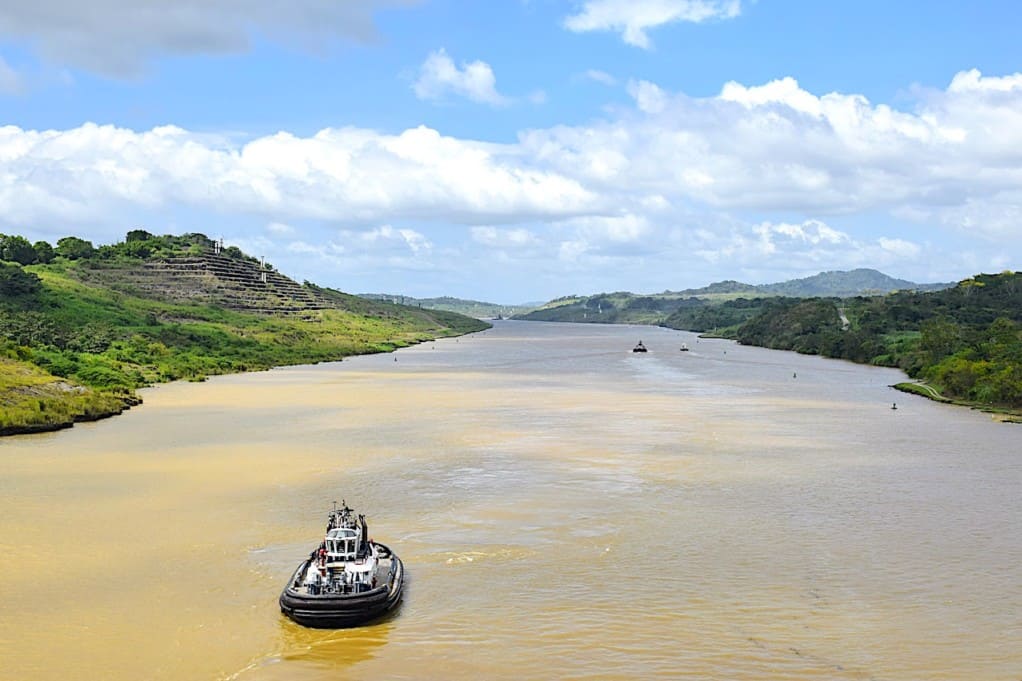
342, 544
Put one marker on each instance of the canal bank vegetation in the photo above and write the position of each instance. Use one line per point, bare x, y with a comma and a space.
82, 327
961, 344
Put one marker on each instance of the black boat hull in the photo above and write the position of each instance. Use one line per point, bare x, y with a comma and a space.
338, 611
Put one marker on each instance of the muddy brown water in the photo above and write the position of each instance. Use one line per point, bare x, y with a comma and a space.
566, 509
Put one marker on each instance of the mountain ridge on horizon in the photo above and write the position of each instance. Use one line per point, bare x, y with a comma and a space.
626, 307
840, 283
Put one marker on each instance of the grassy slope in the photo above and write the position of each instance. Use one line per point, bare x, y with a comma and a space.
91, 346
32, 400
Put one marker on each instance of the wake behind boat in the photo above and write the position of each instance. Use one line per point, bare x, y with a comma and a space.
347, 581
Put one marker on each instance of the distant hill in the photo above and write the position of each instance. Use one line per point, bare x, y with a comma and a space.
470, 308
630, 308
860, 282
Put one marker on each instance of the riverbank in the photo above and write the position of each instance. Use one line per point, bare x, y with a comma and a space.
929, 392
81, 332
34, 401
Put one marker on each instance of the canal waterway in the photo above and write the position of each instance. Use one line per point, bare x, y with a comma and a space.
566, 509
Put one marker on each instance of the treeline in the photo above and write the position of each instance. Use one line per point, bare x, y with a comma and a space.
713, 317
966, 341
607, 308
137, 245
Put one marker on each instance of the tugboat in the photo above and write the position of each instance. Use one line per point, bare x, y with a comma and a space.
639, 348
347, 580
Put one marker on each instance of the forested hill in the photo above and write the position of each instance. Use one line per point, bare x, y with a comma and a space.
81, 327
859, 282
965, 341
629, 308
472, 308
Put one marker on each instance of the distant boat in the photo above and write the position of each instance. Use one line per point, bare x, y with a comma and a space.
684, 348
639, 348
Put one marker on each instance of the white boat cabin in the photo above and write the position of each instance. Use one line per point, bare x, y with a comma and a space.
342, 544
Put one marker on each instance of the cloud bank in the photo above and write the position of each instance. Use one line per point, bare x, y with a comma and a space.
118, 37
757, 175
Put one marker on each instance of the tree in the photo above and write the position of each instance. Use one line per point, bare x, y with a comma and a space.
73, 248
44, 252
137, 248
138, 235
17, 249
15, 281
941, 337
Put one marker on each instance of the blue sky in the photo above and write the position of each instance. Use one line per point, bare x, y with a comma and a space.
521, 150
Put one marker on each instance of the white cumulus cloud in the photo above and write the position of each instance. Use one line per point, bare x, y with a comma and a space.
800, 248
766, 175
349, 174
776, 146
439, 77
386, 238
648, 96
633, 18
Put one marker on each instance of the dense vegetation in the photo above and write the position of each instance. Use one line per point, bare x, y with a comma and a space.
74, 349
606, 308
965, 341
717, 318
661, 308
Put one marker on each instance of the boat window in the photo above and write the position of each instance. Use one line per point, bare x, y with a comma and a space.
341, 543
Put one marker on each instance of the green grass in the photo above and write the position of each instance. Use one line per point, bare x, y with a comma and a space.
921, 389
31, 400
77, 349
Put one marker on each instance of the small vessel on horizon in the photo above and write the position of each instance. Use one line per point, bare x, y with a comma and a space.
347, 580
639, 348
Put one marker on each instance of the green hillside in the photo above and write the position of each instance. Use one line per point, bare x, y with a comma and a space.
82, 327
837, 284
964, 342
661, 308
606, 308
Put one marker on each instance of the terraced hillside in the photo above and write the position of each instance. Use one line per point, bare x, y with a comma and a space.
82, 327
211, 279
